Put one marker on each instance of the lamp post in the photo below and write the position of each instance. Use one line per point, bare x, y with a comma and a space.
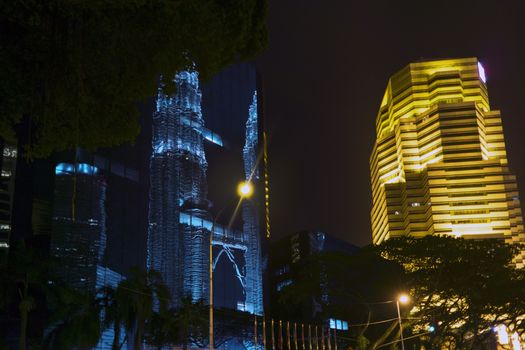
403, 299
244, 190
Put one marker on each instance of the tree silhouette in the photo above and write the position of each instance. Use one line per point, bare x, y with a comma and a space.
114, 314
26, 282
191, 321
75, 71
162, 329
136, 297
75, 320
461, 287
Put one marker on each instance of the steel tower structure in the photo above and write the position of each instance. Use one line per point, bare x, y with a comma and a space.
251, 227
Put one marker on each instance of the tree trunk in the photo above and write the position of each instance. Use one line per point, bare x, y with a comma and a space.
138, 335
184, 339
23, 326
24, 307
383, 337
116, 336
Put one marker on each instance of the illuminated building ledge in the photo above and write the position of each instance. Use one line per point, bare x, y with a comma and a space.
81, 168
220, 231
100, 164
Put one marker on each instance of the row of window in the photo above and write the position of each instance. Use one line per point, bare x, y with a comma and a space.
338, 324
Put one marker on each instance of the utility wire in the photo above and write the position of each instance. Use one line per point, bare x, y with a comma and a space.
396, 341
369, 323
350, 325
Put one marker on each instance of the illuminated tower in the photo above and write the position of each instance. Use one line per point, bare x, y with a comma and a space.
78, 236
178, 183
439, 164
181, 217
251, 227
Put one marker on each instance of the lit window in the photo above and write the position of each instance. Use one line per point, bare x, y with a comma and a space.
338, 324
283, 284
481, 71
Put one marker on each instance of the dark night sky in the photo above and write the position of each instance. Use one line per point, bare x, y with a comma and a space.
324, 75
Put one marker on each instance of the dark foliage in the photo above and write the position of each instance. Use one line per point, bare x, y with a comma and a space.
75, 70
462, 288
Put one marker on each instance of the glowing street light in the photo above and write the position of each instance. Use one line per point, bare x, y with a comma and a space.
245, 189
403, 299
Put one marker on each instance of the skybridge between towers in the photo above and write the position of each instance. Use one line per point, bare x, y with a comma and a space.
222, 236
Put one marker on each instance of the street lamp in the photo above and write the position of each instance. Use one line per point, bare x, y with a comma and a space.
403, 299
244, 190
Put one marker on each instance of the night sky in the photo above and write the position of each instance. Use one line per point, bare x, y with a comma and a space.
324, 74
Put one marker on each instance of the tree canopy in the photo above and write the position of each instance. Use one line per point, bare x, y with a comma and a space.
460, 288
75, 70
339, 285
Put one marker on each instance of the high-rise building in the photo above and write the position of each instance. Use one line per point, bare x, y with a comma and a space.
232, 107
439, 163
181, 214
78, 236
89, 210
176, 247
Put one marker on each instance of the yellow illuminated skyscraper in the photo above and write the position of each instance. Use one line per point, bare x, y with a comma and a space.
439, 164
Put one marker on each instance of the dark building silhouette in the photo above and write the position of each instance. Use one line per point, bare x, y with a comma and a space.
99, 218
288, 257
330, 284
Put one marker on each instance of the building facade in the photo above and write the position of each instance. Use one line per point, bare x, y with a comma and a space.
78, 236
95, 197
439, 164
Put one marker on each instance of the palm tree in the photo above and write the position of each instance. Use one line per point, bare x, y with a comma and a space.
136, 297
26, 275
191, 320
162, 329
75, 320
114, 314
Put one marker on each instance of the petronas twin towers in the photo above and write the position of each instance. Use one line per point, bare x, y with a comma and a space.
439, 164
181, 220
